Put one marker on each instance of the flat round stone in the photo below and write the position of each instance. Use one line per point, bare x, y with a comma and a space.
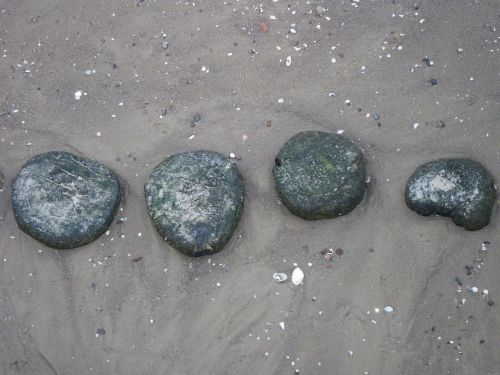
459, 188
195, 200
320, 175
64, 200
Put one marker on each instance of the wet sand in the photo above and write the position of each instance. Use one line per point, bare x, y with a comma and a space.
131, 304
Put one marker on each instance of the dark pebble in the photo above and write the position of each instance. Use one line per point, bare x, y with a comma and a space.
196, 120
434, 81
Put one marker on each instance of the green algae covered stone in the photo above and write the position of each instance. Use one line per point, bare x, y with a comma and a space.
459, 188
320, 175
195, 200
64, 200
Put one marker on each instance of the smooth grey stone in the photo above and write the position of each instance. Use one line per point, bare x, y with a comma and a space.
320, 175
195, 200
64, 200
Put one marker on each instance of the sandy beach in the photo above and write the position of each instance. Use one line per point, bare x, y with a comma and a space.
129, 303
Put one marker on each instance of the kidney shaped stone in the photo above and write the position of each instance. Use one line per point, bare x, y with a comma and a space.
459, 188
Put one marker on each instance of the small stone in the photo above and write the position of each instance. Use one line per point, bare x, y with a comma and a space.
389, 309
195, 200
433, 81
320, 175
2, 180
428, 61
164, 43
458, 188
196, 120
78, 95
100, 332
64, 200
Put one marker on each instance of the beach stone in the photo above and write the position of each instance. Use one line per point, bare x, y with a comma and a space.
195, 200
459, 188
320, 175
64, 200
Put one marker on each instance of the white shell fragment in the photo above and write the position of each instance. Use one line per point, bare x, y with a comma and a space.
389, 309
288, 61
78, 95
297, 276
279, 277
282, 325
474, 289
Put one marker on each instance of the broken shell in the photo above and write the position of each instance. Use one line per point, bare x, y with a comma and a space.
279, 277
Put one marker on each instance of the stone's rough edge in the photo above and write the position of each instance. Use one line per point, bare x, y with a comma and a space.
57, 244
222, 242
317, 216
477, 221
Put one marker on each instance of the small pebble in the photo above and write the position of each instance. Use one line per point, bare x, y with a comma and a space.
434, 81
195, 120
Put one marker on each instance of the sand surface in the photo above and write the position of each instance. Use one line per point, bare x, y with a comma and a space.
163, 313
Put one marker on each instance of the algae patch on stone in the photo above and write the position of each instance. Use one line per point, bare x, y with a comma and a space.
64, 200
459, 188
320, 175
195, 200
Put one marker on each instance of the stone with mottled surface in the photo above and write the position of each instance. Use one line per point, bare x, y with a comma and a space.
195, 200
320, 175
459, 188
64, 200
